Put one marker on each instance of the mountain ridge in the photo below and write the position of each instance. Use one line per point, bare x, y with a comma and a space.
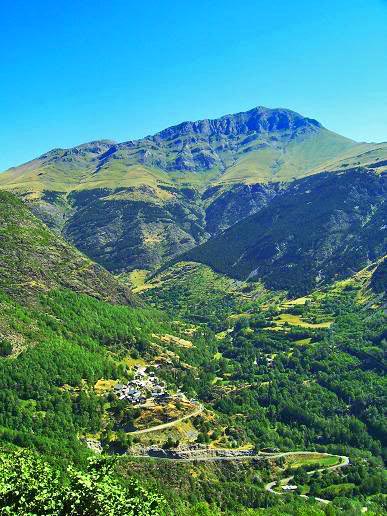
198, 145
174, 129
258, 118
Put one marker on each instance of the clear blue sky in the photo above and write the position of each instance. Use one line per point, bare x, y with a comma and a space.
74, 71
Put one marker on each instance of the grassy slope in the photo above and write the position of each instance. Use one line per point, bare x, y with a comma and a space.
372, 155
64, 177
297, 159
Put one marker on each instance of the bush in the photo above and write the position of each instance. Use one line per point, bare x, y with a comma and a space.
28, 486
5, 348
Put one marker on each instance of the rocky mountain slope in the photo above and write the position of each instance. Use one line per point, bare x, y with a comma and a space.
319, 229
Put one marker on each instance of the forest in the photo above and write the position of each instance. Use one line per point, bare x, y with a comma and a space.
302, 375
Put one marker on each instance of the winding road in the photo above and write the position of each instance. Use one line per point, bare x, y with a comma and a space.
344, 461
245, 456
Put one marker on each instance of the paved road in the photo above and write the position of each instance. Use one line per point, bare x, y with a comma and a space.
214, 458
169, 424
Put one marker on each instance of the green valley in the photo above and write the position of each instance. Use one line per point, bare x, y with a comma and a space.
195, 324
193, 258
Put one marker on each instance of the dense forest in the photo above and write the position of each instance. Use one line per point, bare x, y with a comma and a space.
298, 388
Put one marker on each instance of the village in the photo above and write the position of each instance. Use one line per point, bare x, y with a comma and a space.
145, 387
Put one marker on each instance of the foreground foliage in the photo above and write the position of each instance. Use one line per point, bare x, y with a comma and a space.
28, 485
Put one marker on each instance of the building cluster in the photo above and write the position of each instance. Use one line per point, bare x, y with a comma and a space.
143, 386
289, 487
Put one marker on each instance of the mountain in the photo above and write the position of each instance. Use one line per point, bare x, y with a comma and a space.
139, 203
321, 228
34, 259
257, 145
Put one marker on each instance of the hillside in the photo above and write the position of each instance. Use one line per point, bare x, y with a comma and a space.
33, 259
200, 295
379, 277
140, 203
196, 293
66, 326
319, 229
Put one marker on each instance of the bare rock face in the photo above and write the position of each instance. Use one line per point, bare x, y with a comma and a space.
259, 119
93, 444
198, 146
196, 452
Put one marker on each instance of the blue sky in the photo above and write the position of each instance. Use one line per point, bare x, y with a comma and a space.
74, 71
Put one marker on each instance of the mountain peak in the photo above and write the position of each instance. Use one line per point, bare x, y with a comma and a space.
256, 120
